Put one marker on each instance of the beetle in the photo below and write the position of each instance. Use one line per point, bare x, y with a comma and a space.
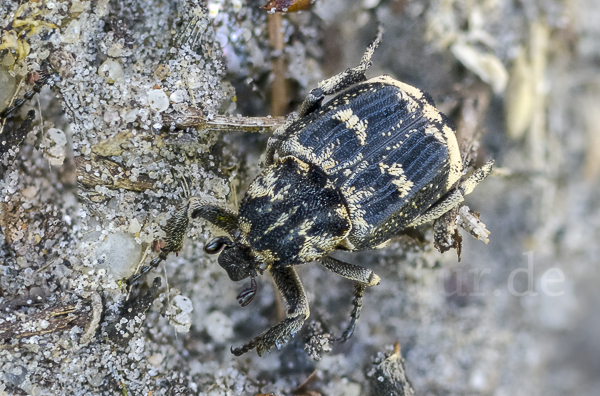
349, 174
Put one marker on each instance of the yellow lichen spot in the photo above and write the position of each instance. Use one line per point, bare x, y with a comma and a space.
404, 185
330, 163
245, 226
351, 163
22, 26
266, 256
354, 196
361, 131
433, 130
305, 226
454, 158
360, 225
282, 219
349, 191
9, 40
409, 89
341, 212
411, 104
402, 96
23, 49
431, 113
396, 170
343, 115
353, 120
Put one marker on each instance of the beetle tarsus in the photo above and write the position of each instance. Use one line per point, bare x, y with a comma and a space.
359, 289
276, 336
147, 268
340, 81
37, 88
243, 349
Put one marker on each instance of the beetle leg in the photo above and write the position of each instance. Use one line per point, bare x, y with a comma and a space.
359, 289
176, 227
340, 81
291, 289
219, 216
195, 207
454, 197
350, 271
363, 276
39, 84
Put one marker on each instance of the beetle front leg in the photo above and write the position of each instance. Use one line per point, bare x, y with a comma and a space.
177, 225
291, 289
340, 81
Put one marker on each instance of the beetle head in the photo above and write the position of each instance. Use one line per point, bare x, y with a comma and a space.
234, 258
236, 262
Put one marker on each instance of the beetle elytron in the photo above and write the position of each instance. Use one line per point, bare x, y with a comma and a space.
350, 175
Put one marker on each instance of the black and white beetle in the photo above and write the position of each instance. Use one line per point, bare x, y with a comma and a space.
349, 175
